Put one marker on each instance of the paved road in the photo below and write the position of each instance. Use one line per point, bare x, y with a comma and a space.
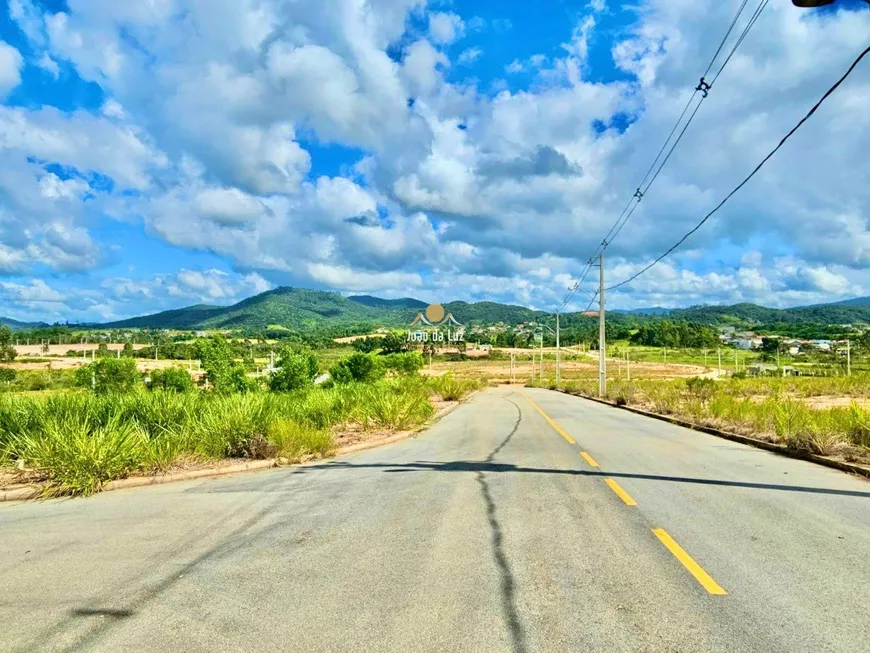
489, 532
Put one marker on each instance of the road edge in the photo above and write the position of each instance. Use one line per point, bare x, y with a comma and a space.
29, 493
780, 449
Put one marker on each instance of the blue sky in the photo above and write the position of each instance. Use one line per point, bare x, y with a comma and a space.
156, 155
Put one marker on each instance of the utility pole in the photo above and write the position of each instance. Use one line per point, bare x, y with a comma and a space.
512, 367
602, 344
735, 360
558, 357
719, 353
627, 366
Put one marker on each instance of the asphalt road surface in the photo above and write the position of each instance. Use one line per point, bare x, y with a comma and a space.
525, 520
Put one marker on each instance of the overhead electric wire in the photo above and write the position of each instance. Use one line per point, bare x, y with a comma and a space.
782, 142
647, 182
752, 20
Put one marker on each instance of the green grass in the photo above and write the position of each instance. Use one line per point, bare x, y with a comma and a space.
771, 408
77, 442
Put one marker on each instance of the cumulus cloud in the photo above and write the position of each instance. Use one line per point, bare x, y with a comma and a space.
445, 27
11, 62
209, 132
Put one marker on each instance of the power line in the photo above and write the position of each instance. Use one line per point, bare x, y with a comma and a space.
752, 20
782, 142
646, 183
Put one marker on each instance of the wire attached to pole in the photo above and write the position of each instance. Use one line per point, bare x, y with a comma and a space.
782, 142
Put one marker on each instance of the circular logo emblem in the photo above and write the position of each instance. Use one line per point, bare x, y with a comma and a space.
434, 312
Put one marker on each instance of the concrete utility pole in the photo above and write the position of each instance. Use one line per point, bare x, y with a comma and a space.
627, 366
558, 357
602, 344
512, 367
735, 360
719, 353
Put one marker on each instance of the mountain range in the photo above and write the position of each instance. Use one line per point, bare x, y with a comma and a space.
299, 309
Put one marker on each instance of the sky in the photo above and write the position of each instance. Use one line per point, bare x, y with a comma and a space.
163, 153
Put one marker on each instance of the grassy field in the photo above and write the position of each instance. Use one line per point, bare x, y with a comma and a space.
827, 416
75, 442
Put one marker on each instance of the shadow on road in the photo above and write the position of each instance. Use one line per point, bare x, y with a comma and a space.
473, 466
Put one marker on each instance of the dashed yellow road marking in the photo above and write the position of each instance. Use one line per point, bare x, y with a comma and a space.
558, 428
622, 494
589, 459
693, 567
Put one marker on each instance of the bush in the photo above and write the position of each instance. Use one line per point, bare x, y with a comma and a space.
7, 375
7, 350
173, 379
452, 389
362, 368
702, 388
406, 363
108, 375
295, 370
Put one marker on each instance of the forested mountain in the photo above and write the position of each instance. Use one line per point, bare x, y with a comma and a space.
303, 309
299, 308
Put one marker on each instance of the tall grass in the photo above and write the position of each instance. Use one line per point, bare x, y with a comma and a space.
76, 442
770, 408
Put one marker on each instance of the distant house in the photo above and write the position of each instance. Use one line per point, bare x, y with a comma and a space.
772, 370
822, 345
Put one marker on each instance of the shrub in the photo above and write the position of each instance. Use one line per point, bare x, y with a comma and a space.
108, 375
295, 370
7, 375
7, 351
701, 388
173, 379
406, 363
363, 368
452, 389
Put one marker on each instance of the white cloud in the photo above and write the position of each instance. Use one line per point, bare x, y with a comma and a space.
469, 56
11, 63
446, 27
207, 118
48, 64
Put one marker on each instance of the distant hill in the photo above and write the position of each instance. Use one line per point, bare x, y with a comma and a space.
838, 313
15, 324
299, 308
377, 302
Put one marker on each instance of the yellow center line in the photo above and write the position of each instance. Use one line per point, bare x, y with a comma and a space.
589, 459
622, 494
558, 428
694, 568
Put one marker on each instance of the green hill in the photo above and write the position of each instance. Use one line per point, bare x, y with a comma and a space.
300, 309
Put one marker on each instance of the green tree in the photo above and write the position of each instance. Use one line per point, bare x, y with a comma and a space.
103, 350
409, 362
108, 375
393, 343
221, 371
362, 368
172, 379
295, 370
366, 345
127, 351
7, 350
